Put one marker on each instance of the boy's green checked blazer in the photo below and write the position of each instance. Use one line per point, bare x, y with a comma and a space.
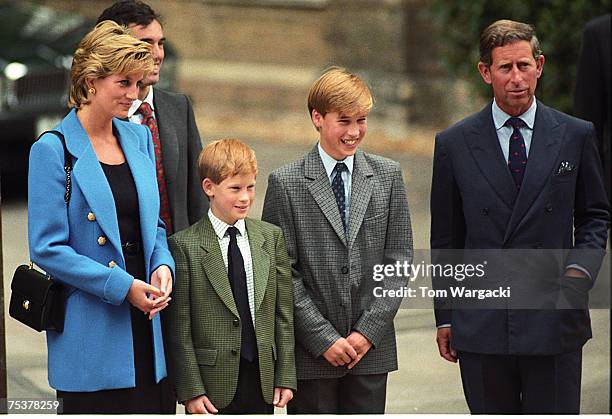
203, 322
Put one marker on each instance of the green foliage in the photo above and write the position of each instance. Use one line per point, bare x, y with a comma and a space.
558, 23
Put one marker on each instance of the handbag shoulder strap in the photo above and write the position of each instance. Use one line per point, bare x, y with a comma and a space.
67, 163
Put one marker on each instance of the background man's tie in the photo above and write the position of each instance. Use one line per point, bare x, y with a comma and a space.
164, 203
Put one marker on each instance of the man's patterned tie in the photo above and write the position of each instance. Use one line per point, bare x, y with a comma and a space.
338, 189
517, 156
164, 203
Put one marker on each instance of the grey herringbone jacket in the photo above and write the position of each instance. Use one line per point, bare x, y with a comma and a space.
332, 273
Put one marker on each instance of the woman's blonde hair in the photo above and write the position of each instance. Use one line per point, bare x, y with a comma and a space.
106, 50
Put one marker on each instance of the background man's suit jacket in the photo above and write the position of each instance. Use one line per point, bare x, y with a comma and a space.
203, 321
181, 146
593, 90
332, 276
474, 205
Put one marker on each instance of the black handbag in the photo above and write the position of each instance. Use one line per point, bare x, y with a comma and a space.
36, 299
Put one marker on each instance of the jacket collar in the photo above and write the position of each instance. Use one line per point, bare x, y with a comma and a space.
216, 272
321, 192
482, 141
546, 143
89, 176
481, 138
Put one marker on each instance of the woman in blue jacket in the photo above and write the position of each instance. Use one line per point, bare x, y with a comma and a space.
108, 246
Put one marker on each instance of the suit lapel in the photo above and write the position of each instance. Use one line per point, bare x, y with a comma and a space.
321, 191
167, 118
261, 261
483, 143
361, 192
212, 263
143, 172
90, 178
545, 147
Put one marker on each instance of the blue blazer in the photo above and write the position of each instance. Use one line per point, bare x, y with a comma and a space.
95, 350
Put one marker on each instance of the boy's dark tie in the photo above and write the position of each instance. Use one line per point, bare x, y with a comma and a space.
517, 155
237, 278
164, 203
338, 189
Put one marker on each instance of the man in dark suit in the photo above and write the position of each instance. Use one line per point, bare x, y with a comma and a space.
593, 92
171, 120
519, 175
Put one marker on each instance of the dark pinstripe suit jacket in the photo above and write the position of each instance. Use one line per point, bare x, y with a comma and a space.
332, 274
475, 205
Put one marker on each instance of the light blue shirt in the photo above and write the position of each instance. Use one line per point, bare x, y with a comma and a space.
505, 131
330, 164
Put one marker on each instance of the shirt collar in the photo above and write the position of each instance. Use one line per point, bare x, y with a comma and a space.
500, 117
220, 226
136, 104
330, 163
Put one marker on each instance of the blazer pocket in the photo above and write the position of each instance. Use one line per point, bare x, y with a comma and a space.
206, 356
375, 217
563, 179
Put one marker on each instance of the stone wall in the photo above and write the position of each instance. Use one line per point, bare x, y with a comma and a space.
250, 63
